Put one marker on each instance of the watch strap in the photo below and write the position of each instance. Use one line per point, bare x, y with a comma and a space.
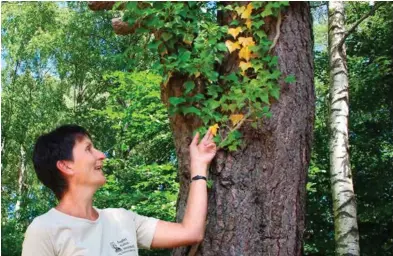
198, 177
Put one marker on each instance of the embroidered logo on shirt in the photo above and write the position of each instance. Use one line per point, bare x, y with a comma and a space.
117, 248
123, 246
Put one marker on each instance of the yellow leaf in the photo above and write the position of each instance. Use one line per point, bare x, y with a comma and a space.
245, 53
247, 13
240, 9
244, 65
213, 129
248, 23
234, 31
187, 42
246, 41
197, 74
235, 118
232, 46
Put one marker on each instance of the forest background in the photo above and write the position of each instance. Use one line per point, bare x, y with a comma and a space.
62, 63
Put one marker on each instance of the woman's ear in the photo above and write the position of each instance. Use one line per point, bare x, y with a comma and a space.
64, 168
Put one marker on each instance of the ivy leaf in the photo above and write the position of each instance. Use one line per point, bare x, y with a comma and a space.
198, 97
245, 53
234, 23
212, 104
232, 46
268, 114
274, 61
264, 97
275, 92
192, 110
244, 65
190, 85
166, 36
176, 100
232, 147
248, 23
232, 77
188, 38
246, 41
212, 75
240, 9
290, 79
276, 74
236, 118
221, 47
234, 31
184, 56
267, 11
258, 24
247, 12
153, 45
209, 184
261, 34
213, 129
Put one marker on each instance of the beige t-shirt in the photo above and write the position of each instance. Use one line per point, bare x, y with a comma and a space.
115, 232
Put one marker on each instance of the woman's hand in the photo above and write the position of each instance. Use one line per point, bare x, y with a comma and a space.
203, 153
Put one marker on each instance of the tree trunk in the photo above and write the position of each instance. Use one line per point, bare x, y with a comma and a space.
344, 202
21, 174
257, 202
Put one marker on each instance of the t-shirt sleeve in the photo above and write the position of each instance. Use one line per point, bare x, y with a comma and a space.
145, 229
37, 241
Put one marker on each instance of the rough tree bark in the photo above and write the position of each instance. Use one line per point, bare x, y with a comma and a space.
344, 201
256, 205
257, 202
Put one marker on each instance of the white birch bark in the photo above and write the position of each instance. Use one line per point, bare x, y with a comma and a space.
344, 202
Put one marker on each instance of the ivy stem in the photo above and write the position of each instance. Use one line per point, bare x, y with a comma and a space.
237, 127
278, 25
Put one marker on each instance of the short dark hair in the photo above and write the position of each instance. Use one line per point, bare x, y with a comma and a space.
52, 147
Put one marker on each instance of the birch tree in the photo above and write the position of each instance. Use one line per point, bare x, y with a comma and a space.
344, 200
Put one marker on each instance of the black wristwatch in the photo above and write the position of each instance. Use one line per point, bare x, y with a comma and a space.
198, 177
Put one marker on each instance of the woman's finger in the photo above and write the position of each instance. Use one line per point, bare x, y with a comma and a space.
205, 138
211, 145
210, 136
195, 140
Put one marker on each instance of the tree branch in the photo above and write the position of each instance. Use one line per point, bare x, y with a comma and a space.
122, 28
352, 29
100, 5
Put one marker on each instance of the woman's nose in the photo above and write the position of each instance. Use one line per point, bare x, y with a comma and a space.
101, 155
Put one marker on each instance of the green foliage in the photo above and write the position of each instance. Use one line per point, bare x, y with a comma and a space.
55, 57
369, 63
190, 43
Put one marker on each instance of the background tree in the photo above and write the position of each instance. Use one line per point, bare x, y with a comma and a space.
370, 96
344, 202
